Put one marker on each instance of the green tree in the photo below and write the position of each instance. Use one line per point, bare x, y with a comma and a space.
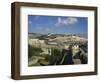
33, 51
55, 56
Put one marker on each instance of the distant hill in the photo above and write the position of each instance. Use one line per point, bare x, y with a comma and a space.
58, 38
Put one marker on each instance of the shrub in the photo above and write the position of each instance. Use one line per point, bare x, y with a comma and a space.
33, 51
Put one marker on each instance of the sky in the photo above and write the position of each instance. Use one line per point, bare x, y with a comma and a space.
57, 24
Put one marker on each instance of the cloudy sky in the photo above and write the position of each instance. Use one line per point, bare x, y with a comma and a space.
57, 24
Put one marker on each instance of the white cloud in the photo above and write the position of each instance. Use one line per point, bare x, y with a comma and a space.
66, 21
43, 29
30, 22
47, 29
40, 28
